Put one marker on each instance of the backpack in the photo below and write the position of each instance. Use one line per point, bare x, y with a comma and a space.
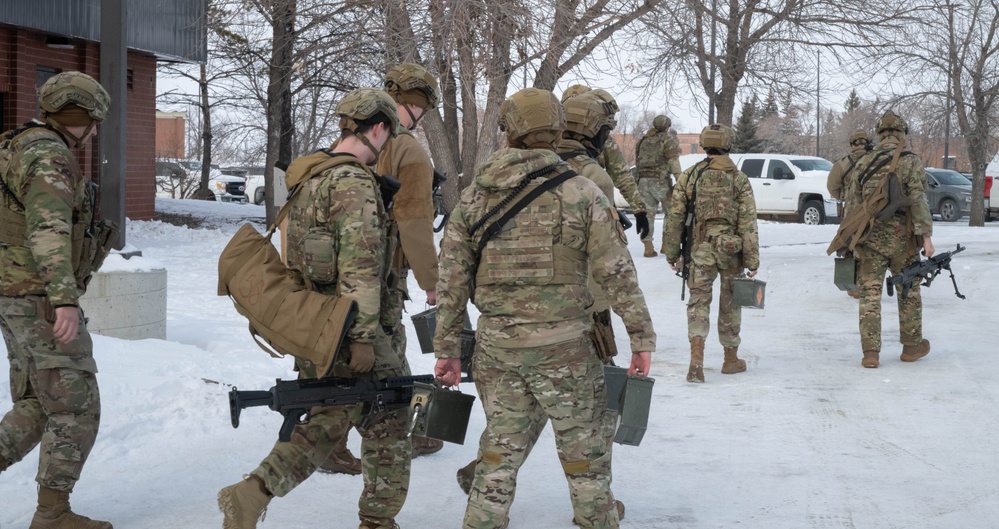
286, 316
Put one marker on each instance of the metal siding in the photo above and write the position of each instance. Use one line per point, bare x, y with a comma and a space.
169, 29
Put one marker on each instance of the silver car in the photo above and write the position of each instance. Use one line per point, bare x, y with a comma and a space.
949, 194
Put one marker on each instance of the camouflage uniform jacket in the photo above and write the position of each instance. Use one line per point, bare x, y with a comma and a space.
42, 183
585, 165
656, 155
839, 176
537, 315
345, 203
413, 207
724, 204
612, 160
915, 218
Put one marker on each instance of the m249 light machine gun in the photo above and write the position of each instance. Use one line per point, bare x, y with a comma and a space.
928, 270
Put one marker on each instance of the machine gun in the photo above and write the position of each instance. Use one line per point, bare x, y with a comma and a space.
294, 399
928, 270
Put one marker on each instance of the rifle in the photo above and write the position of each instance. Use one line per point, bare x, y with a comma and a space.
928, 270
294, 399
687, 236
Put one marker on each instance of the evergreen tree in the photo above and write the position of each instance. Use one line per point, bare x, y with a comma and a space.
769, 106
745, 129
852, 102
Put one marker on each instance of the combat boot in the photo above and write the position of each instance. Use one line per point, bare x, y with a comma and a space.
54, 513
649, 250
870, 359
372, 525
243, 503
341, 461
424, 445
662, 249
696, 371
466, 475
732, 363
911, 353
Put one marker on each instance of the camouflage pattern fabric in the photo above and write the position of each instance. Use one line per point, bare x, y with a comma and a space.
54, 389
656, 155
892, 244
726, 240
612, 160
533, 347
842, 171
346, 203
655, 191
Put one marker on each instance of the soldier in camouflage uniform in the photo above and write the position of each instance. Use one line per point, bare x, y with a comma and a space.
46, 210
339, 217
841, 174
612, 159
656, 164
534, 358
414, 90
892, 244
725, 243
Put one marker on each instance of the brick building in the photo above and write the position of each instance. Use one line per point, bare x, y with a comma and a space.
171, 131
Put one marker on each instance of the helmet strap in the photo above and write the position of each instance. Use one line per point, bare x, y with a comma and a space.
77, 141
368, 144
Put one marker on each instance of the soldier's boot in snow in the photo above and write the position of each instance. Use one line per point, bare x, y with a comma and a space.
374, 525
649, 250
696, 371
911, 353
424, 445
243, 503
341, 461
662, 248
54, 513
732, 363
466, 475
870, 359
620, 512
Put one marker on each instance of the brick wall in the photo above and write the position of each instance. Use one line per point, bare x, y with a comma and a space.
23, 52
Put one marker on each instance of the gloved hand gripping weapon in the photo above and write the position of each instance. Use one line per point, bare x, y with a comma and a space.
928, 270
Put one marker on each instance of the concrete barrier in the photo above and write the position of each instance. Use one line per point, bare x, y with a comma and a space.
127, 299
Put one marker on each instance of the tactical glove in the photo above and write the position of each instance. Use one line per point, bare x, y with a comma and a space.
642, 224
362, 357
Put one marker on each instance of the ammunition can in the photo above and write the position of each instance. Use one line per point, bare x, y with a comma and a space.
614, 378
425, 324
636, 399
440, 413
845, 273
748, 292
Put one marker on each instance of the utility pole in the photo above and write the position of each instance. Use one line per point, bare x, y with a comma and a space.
950, 73
714, 89
818, 105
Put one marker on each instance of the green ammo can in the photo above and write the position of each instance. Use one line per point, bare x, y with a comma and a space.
636, 399
845, 273
748, 292
440, 413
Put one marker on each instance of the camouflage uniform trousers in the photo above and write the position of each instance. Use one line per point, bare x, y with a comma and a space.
522, 388
708, 265
886, 249
385, 456
655, 191
54, 389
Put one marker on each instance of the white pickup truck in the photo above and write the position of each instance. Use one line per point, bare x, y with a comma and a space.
991, 179
785, 184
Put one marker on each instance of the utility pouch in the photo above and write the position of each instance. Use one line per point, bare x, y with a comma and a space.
319, 249
602, 336
845, 273
94, 249
467, 340
440, 413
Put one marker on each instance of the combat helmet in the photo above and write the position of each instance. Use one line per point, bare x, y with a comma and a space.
532, 118
73, 99
610, 105
409, 83
360, 106
585, 115
718, 137
574, 91
661, 123
892, 121
860, 135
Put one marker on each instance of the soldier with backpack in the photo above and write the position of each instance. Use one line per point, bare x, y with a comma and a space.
656, 164
47, 253
534, 359
338, 240
887, 222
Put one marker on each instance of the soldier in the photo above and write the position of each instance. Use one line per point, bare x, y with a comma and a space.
725, 242
339, 216
656, 164
534, 358
893, 243
612, 159
414, 90
46, 213
840, 175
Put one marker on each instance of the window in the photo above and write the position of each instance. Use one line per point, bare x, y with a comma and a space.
43, 73
753, 167
813, 165
779, 170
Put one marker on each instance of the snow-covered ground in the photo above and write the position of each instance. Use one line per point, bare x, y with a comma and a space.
807, 438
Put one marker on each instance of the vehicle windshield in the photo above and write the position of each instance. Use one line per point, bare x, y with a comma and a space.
813, 165
950, 178
191, 166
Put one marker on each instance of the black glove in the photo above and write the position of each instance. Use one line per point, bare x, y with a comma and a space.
642, 224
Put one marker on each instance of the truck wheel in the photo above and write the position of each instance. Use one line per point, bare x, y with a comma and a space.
949, 211
812, 213
258, 196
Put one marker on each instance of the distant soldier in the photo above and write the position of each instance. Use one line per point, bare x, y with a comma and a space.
889, 244
725, 242
534, 359
656, 164
842, 171
339, 216
46, 216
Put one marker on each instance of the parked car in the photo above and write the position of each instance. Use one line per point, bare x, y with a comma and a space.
180, 178
949, 194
